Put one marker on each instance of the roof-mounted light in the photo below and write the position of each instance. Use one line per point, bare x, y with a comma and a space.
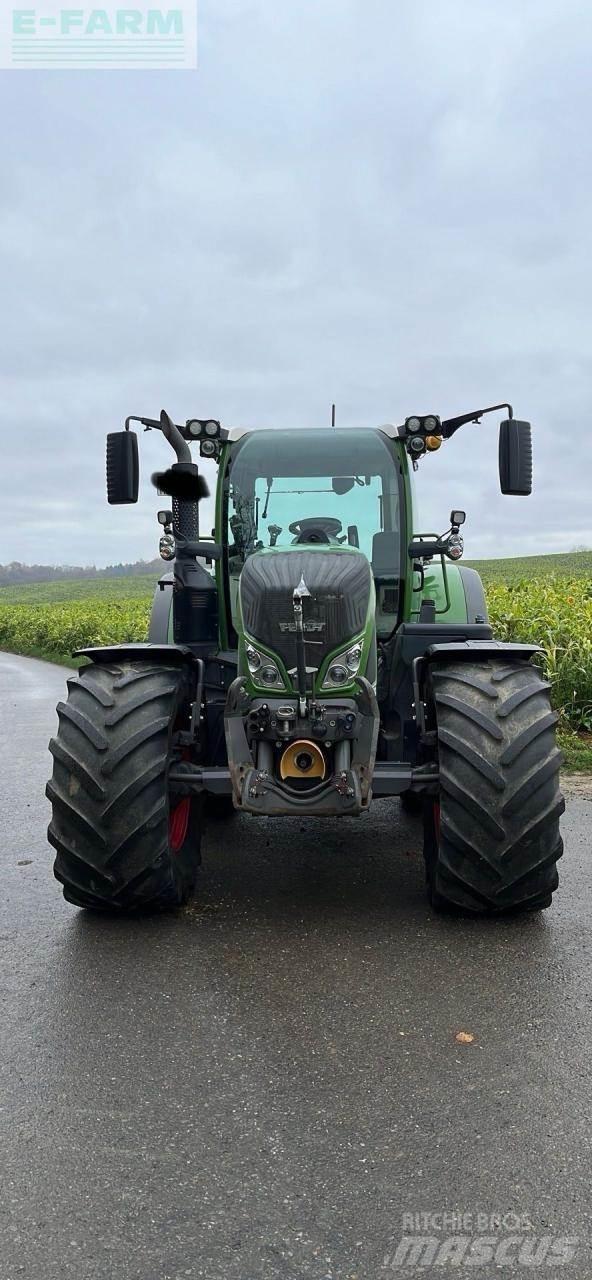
208, 448
197, 427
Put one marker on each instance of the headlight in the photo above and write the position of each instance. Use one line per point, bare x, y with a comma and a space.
353, 657
269, 675
337, 674
430, 423
343, 667
166, 546
263, 669
455, 547
253, 658
413, 424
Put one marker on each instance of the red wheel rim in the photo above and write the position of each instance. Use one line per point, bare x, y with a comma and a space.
437, 820
179, 824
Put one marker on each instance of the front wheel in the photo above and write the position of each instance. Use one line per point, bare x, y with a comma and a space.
491, 836
124, 841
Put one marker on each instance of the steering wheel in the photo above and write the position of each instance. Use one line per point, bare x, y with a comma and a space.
316, 529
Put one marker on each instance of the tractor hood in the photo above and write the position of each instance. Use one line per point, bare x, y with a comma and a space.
341, 589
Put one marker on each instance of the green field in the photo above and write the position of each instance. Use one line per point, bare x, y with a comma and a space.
565, 564
51, 619
545, 600
92, 589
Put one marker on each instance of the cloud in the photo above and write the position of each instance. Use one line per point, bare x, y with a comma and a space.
387, 206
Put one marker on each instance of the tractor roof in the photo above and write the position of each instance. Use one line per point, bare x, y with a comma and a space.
237, 433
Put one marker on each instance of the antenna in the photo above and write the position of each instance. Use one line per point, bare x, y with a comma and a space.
333, 416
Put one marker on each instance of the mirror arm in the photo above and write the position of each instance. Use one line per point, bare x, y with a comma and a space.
170, 431
151, 424
450, 425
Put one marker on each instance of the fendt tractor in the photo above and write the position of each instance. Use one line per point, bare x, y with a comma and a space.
313, 656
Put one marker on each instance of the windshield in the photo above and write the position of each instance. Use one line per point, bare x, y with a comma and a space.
332, 487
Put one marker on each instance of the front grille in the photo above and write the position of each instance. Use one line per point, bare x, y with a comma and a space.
340, 583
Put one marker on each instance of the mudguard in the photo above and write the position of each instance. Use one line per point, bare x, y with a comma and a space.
165, 653
461, 651
469, 649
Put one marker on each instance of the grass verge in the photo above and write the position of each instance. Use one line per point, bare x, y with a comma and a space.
577, 749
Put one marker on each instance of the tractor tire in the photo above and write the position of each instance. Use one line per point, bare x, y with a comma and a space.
491, 836
124, 843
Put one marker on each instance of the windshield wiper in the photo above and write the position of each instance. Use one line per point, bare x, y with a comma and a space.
269, 484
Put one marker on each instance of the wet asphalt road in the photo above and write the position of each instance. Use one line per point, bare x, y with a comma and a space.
263, 1085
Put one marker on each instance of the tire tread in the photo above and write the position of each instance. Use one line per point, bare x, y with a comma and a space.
500, 801
109, 790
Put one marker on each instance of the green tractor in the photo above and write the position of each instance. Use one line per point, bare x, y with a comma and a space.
311, 657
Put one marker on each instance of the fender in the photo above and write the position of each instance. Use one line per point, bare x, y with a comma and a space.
474, 594
461, 651
468, 649
165, 653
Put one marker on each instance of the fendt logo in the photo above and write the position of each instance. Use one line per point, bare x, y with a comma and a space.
309, 625
145, 36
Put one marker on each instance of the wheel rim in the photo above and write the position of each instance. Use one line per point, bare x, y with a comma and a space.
179, 824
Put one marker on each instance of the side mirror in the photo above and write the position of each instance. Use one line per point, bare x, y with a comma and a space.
515, 457
123, 467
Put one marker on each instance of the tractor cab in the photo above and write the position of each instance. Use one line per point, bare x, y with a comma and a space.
307, 491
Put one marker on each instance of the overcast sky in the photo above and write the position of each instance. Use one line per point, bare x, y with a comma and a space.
386, 203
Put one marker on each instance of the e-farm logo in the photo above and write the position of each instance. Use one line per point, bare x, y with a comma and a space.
144, 37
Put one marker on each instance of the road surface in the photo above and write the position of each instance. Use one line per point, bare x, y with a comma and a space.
264, 1085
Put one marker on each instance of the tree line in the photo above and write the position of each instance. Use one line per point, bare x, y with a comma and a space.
16, 572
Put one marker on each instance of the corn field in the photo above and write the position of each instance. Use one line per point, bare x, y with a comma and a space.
555, 612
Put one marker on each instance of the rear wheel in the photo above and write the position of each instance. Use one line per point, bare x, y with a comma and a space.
491, 837
124, 841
